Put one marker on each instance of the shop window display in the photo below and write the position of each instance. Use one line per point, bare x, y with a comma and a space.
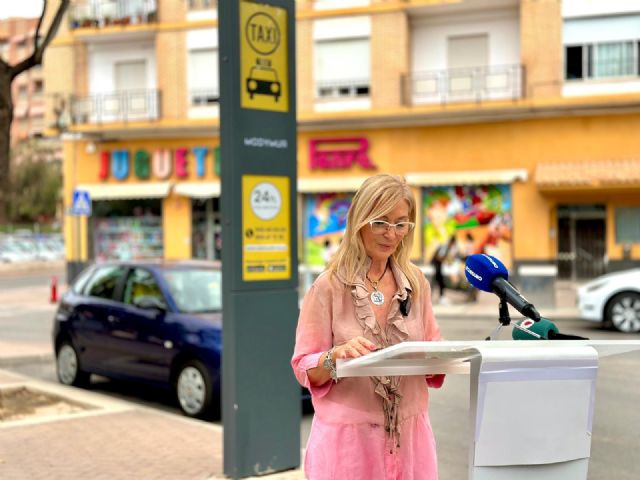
326, 221
127, 230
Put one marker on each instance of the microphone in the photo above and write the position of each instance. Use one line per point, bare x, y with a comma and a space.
489, 274
546, 329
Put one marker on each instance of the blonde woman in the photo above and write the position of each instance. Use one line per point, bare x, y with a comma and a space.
369, 297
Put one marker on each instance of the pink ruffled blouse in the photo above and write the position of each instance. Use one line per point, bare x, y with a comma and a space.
351, 435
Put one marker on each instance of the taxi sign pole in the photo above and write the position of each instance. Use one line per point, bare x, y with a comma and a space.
261, 401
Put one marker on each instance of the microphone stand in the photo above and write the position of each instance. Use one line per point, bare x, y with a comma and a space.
505, 320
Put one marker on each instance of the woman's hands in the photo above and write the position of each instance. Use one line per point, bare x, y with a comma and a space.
354, 348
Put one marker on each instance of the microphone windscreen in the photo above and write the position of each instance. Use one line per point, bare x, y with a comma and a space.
542, 328
481, 270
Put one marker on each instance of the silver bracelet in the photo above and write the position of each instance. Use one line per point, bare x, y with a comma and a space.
330, 364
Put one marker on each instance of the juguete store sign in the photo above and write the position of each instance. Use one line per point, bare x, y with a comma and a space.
160, 164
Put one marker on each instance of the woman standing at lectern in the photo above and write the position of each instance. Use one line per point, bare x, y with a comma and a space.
369, 297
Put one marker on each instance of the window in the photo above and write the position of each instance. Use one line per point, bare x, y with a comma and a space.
142, 285
602, 60
195, 290
104, 282
38, 89
81, 281
628, 225
203, 77
23, 93
574, 63
342, 67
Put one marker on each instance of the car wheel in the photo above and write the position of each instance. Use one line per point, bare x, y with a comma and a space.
623, 312
68, 367
193, 390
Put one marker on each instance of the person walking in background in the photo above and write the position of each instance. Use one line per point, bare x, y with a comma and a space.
369, 297
440, 255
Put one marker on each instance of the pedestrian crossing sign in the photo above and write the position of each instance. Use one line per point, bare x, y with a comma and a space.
81, 204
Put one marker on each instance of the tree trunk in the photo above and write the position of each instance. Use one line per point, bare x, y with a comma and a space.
6, 117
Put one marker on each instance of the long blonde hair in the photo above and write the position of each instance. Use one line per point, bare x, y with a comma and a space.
375, 198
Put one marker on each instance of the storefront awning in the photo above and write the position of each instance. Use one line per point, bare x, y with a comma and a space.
472, 177
198, 189
597, 174
110, 191
322, 185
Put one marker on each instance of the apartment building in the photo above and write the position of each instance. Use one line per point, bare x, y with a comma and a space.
514, 121
17, 36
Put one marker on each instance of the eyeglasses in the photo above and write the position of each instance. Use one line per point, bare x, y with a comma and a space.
401, 228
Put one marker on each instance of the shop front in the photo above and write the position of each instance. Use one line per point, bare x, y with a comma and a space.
544, 203
150, 201
539, 201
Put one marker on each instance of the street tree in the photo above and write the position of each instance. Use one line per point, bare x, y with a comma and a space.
8, 73
36, 182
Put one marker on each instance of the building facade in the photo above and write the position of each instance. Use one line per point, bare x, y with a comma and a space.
17, 37
514, 121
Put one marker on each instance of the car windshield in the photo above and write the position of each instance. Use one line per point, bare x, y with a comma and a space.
195, 290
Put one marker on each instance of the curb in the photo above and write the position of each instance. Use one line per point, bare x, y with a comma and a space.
26, 359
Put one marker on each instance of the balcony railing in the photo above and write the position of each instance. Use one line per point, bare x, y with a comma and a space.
475, 84
342, 89
113, 12
125, 106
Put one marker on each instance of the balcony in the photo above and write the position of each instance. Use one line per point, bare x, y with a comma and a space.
112, 12
474, 84
125, 106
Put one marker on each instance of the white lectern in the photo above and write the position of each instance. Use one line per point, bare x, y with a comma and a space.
532, 402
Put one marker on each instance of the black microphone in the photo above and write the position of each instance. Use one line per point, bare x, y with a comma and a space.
544, 329
489, 274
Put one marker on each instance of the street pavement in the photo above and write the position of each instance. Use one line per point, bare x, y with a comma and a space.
116, 439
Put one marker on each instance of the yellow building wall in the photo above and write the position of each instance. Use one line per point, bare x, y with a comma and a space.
454, 148
176, 227
500, 145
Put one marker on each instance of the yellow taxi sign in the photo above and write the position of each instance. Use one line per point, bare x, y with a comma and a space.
264, 65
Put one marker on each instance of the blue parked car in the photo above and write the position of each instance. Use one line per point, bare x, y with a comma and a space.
159, 323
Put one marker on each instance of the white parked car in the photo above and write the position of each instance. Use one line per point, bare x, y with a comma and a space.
613, 299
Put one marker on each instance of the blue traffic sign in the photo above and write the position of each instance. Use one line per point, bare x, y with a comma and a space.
81, 204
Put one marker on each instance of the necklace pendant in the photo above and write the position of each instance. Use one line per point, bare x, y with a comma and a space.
377, 297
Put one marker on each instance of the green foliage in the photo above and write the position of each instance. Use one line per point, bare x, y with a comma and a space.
36, 183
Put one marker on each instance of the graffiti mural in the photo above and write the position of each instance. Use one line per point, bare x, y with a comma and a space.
463, 220
325, 222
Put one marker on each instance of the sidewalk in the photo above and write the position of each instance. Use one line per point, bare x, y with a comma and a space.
112, 439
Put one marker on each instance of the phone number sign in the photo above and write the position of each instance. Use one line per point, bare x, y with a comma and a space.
266, 227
